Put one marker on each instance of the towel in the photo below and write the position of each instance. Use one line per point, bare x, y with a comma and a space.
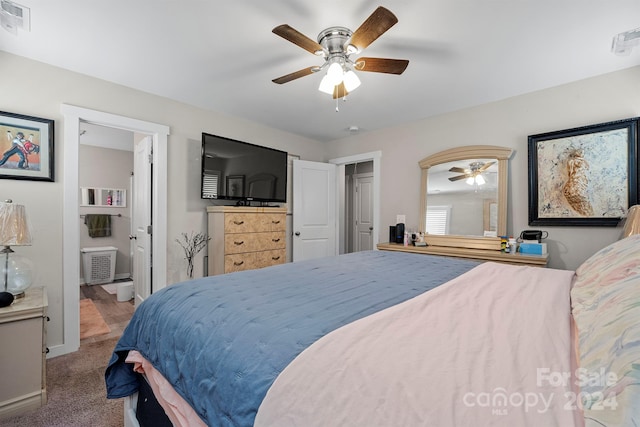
99, 225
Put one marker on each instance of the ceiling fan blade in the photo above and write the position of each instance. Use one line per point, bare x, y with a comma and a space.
339, 91
459, 170
458, 178
485, 166
373, 27
382, 65
297, 38
294, 75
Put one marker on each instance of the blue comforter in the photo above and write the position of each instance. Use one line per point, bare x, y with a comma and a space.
221, 341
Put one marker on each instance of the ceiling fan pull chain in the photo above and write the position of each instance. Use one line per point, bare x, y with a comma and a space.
337, 106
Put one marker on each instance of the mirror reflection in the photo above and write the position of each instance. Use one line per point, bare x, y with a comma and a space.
462, 198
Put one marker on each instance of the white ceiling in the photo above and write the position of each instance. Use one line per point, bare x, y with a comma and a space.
222, 56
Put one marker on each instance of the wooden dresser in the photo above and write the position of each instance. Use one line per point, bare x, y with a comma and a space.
245, 238
475, 254
22, 355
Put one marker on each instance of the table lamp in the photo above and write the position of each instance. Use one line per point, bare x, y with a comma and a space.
17, 271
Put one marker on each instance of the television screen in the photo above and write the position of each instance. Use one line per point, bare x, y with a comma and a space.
236, 170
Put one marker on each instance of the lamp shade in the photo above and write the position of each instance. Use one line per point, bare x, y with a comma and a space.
632, 223
14, 229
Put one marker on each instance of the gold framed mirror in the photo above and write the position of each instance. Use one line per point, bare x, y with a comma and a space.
465, 190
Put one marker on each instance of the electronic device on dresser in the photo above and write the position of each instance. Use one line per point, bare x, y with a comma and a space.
400, 233
240, 171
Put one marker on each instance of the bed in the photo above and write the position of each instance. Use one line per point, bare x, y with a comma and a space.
389, 338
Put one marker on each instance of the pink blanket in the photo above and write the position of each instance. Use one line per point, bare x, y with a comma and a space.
492, 348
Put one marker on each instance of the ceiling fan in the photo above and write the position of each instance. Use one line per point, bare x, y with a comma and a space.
336, 45
473, 174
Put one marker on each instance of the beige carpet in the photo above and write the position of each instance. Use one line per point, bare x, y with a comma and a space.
91, 321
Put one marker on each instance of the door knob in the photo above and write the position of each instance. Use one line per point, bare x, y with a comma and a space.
132, 237
297, 233
370, 228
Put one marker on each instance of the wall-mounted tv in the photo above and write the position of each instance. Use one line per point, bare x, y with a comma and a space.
236, 170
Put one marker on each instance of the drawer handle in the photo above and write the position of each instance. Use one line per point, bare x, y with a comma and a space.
275, 258
275, 222
236, 263
238, 222
275, 240
239, 243
47, 350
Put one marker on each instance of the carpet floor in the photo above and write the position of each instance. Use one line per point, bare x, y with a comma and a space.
76, 392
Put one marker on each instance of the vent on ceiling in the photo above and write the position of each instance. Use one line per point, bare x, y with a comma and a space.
14, 16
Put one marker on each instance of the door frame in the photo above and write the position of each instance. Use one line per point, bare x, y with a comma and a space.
73, 115
341, 162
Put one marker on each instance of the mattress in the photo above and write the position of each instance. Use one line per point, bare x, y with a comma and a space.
222, 341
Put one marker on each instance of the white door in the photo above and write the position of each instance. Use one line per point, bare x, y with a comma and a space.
314, 210
141, 237
363, 213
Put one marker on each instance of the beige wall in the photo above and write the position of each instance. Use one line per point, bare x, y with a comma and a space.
36, 89
507, 123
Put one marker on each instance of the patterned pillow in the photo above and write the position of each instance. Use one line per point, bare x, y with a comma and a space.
605, 302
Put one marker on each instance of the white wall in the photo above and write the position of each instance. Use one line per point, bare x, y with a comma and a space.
35, 89
507, 123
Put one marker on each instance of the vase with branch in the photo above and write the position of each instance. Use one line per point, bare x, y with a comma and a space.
192, 245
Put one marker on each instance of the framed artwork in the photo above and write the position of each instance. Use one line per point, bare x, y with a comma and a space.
26, 147
235, 186
584, 176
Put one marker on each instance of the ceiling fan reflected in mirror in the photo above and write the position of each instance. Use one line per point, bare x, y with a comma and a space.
472, 174
336, 45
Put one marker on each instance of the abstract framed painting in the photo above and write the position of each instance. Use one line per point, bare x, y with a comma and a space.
584, 176
26, 147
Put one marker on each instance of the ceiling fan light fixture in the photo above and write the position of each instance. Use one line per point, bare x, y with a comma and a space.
335, 73
480, 180
326, 85
470, 180
351, 81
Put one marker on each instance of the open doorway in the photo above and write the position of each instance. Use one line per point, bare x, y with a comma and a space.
73, 116
371, 174
359, 213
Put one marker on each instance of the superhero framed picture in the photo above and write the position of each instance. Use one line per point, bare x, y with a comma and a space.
26, 147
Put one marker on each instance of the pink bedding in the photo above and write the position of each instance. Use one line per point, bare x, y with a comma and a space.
176, 408
492, 347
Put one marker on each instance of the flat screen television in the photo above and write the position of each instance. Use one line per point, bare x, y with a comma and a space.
236, 170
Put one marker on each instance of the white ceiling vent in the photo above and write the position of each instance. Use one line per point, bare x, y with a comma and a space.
14, 16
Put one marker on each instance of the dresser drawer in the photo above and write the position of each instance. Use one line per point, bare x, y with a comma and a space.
249, 223
253, 260
267, 258
252, 242
239, 262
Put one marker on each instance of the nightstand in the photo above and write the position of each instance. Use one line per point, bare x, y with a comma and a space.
22, 358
